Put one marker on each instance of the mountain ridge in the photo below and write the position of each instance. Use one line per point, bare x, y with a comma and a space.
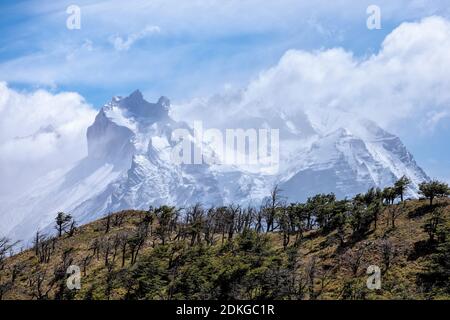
129, 165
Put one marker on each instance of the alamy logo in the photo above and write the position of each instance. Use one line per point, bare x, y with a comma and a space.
374, 279
74, 280
374, 20
73, 21
229, 146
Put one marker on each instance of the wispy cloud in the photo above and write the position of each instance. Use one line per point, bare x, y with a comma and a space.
126, 43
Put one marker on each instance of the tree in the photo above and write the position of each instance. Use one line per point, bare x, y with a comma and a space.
210, 226
86, 262
270, 207
136, 242
389, 195
432, 224
196, 221
340, 219
285, 226
311, 273
388, 253
401, 185
395, 212
123, 247
6, 247
353, 258
17, 270
376, 209
95, 247
435, 278
72, 228
231, 214
297, 220
296, 280
118, 219
107, 222
434, 189
44, 247
60, 275
165, 215
63, 221
36, 282
360, 217
111, 276
322, 206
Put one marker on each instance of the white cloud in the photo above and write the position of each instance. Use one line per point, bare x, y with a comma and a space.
121, 44
39, 132
407, 80
203, 43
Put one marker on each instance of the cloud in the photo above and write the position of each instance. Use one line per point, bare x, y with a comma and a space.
39, 132
203, 43
406, 82
121, 44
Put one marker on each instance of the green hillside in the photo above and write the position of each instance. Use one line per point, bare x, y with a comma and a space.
317, 250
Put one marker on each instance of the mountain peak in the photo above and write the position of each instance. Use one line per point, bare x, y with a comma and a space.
138, 106
136, 94
164, 102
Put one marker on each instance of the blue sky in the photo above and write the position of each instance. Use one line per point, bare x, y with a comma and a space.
186, 49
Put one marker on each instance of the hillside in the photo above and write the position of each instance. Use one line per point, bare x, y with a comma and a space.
163, 254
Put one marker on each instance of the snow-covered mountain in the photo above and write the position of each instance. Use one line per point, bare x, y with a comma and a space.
130, 165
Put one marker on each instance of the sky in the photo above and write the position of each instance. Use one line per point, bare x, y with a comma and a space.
194, 49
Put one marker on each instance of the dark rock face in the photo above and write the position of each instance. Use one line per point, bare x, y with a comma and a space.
109, 142
138, 107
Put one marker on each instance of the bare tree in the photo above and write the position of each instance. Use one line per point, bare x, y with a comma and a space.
118, 219
352, 259
106, 246
36, 283
285, 226
107, 222
325, 277
95, 248
270, 207
123, 247
395, 211
116, 243
110, 278
196, 222
311, 270
6, 247
86, 262
231, 214
210, 226
60, 273
72, 228
136, 242
16, 271
259, 219
44, 247
388, 253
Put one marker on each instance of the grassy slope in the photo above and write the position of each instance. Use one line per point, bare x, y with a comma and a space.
399, 282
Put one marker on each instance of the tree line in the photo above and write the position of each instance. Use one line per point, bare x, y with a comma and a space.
204, 230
